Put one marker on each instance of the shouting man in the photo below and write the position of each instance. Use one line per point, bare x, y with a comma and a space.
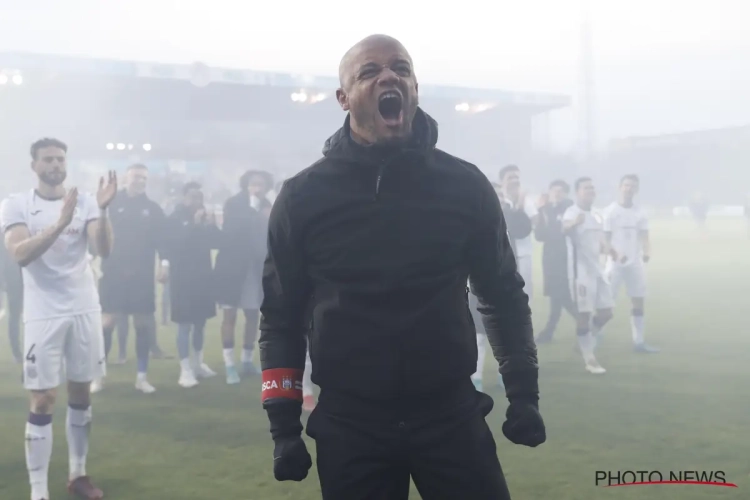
379, 238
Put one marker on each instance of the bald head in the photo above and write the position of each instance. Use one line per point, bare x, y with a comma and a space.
379, 90
349, 63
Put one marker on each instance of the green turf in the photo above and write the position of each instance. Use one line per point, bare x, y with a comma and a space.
684, 409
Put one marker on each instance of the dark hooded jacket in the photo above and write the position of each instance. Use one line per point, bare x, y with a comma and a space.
382, 241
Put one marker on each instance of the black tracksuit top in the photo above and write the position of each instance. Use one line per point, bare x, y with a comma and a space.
138, 226
369, 251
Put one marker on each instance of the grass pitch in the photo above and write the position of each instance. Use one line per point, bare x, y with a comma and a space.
684, 409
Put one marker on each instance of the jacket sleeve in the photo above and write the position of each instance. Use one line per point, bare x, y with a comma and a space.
504, 306
287, 290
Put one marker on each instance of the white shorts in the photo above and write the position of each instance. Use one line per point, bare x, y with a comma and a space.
72, 343
525, 265
633, 276
591, 293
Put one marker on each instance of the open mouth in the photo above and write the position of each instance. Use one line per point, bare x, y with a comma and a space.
390, 107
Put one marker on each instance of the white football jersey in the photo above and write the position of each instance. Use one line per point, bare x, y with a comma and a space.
626, 224
585, 241
60, 282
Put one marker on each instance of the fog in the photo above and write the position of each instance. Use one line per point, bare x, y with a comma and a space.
662, 66
667, 84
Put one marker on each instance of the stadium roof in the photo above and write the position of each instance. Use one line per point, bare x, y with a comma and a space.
727, 135
12, 63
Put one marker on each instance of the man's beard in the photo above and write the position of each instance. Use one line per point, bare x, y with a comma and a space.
53, 178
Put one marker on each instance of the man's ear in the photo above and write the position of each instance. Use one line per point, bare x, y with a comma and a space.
343, 99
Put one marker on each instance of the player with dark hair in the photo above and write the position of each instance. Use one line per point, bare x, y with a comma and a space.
378, 238
626, 230
549, 231
48, 231
239, 267
590, 290
191, 235
127, 286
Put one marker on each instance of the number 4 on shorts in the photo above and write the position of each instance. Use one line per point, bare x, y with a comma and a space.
30, 356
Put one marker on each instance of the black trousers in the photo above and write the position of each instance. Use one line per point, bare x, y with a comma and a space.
556, 306
450, 455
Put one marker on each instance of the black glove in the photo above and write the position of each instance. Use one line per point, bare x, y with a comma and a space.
524, 424
291, 461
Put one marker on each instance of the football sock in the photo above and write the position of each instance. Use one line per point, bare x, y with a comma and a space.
636, 324
586, 342
38, 453
183, 340
481, 350
77, 429
228, 353
307, 385
247, 355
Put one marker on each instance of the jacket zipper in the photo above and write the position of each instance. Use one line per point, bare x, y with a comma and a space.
379, 178
381, 169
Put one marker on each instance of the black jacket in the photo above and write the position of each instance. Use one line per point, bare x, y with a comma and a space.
189, 248
382, 241
243, 240
549, 231
518, 223
138, 225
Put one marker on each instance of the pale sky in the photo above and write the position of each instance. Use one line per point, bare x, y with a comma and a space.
661, 65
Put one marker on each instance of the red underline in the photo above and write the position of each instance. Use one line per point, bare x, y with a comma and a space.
700, 483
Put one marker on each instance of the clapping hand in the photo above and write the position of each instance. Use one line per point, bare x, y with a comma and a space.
70, 201
107, 191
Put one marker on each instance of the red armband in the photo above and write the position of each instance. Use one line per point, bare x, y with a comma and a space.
281, 383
